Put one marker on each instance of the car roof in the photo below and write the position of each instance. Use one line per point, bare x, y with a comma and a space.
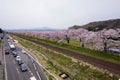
14, 52
18, 56
24, 64
20, 60
33, 78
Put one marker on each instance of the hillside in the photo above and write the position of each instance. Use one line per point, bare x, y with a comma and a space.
99, 25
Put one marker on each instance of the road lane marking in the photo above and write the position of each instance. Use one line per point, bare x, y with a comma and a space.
38, 76
32, 60
6, 77
30, 71
34, 66
41, 65
17, 70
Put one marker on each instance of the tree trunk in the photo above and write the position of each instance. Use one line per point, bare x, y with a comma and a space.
105, 46
81, 42
67, 39
83, 45
105, 43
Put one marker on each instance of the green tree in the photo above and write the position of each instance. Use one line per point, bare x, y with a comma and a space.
1, 31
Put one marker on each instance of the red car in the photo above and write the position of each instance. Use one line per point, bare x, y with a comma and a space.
7, 52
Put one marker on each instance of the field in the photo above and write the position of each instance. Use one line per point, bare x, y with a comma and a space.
58, 63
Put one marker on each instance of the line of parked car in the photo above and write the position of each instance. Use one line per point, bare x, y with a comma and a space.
22, 65
19, 60
12, 50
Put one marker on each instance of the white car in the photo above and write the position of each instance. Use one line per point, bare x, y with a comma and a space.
33, 78
18, 58
23, 51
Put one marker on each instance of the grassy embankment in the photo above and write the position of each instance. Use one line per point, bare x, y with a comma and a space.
97, 54
58, 63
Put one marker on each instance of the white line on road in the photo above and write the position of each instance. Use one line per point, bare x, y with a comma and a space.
6, 77
32, 60
38, 76
34, 66
41, 65
17, 70
30, 71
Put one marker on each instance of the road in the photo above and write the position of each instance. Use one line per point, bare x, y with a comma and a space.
13, 71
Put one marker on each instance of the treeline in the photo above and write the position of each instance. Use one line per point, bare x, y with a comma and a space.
1, 31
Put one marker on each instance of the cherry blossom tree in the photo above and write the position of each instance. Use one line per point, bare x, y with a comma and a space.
100, 40
82, 35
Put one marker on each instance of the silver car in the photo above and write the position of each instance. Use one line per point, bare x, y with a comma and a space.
23, 67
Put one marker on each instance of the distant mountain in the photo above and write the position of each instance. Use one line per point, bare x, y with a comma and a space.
44, 29
100, 25
34, 29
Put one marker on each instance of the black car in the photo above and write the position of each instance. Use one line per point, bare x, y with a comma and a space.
7, 51
14, 53
23, 67
20, 62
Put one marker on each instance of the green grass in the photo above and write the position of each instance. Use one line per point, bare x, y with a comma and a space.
73, 42
97, 54
65, 64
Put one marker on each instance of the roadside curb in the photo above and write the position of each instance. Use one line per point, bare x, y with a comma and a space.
1, 62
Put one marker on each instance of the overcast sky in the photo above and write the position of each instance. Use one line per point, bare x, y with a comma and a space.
18, 14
